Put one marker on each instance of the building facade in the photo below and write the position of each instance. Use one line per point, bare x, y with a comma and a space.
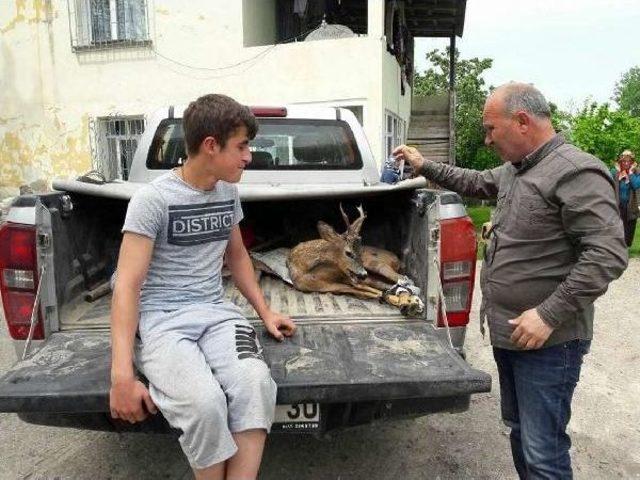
78, 77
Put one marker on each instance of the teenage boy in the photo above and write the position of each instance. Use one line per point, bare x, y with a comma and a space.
203, 361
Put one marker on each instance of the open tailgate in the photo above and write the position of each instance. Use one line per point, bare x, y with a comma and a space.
324, 363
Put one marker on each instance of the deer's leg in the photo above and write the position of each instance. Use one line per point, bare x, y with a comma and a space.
382, 263
385, 271
312, 283
366, 288
409, 304
361, 292
377, 283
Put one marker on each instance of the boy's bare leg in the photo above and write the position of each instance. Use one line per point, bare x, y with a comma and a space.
214, 472
244, 465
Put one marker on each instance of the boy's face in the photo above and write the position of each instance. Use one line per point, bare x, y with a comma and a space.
228, 163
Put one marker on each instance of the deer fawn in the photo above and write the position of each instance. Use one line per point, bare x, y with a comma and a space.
340, 264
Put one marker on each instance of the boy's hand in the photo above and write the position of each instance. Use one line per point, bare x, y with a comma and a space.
278, 325
130, 400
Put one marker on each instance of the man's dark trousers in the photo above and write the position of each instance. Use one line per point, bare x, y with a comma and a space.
536, 388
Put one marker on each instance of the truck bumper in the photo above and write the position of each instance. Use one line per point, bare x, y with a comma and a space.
334, 416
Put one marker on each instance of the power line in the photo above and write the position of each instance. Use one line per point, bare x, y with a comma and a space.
226, 67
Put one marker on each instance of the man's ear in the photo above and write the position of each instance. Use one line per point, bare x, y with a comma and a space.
523, 119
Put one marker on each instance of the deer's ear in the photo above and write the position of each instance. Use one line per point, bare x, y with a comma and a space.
327, 232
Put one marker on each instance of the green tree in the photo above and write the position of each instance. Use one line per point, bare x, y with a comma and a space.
604, 132
561, 120
627, 92
471, 93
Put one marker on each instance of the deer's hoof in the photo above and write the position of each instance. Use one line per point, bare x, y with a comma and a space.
413, 307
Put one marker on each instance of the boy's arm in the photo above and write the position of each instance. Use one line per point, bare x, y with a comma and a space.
127, 392
243, 274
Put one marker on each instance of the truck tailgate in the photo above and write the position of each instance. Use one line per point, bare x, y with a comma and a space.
326, 362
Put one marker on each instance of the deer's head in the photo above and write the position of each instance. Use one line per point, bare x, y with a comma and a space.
346, 249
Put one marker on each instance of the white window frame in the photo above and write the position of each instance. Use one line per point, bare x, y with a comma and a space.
394, 132
116, 139
81, 23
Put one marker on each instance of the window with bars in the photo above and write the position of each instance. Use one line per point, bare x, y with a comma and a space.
97, 24
394, 132
116, 142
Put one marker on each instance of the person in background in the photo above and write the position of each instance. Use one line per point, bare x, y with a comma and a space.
627, 182
555, 244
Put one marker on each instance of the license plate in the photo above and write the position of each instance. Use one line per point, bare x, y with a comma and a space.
297, 417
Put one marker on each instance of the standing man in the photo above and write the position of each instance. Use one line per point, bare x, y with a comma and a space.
556, 243
627, 181
203, 361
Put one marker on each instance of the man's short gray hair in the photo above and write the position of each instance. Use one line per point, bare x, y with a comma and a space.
523, 96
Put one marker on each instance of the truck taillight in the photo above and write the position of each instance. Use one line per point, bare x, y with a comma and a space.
458, 250
19, 279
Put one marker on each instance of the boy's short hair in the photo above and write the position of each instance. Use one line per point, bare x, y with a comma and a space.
217, 116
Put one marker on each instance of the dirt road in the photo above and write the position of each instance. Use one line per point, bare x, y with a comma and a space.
474, 445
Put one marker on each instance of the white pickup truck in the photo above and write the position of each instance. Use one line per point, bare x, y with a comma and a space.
351, 361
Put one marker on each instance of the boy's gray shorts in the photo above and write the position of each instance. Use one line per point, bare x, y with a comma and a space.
207, 376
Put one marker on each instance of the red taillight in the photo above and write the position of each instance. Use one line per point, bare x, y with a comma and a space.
269, 111
19, 279
458, 250
20, 252
17, 310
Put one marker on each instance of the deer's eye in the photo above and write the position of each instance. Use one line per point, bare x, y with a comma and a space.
349, 253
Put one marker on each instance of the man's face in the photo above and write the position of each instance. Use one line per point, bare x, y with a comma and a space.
503, 131
228, 163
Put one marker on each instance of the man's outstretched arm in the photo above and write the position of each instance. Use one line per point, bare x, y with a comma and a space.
471, 183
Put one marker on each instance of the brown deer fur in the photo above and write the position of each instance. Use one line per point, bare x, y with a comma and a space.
340, 264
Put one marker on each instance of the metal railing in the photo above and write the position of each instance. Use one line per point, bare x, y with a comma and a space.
108, 24
114, 143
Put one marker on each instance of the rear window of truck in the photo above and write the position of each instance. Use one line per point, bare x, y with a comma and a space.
281, 144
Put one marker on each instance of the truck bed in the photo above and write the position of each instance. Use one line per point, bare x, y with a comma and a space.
305, 307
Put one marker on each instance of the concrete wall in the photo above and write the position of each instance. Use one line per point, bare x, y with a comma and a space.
392, 99
49, 94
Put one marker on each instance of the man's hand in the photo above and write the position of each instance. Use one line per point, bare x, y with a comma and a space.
410, 155
278, 325
531, 331
129, 400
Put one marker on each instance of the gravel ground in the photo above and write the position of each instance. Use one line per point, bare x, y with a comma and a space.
474, 445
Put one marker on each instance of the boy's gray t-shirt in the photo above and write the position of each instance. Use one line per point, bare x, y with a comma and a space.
190, 229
